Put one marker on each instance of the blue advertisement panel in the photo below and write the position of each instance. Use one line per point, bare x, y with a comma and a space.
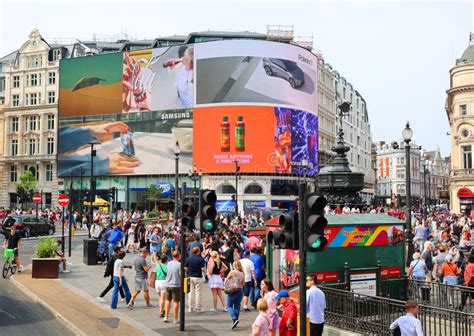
225, 206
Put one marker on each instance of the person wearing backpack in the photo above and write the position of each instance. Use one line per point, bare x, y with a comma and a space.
109, 270
469, 282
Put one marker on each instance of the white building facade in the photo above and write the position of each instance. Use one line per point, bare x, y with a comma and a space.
357, 133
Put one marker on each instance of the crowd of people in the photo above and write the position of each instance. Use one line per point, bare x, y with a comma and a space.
230, 262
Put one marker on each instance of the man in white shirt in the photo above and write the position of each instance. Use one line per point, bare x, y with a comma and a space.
250, 278
315, 305
409, 325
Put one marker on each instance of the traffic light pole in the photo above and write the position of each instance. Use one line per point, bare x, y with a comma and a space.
182, 294
302, 255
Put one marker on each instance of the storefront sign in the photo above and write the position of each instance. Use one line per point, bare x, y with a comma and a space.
364, 283
225, 206
353, 236
250, 205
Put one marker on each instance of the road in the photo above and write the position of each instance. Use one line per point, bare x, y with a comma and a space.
18, 314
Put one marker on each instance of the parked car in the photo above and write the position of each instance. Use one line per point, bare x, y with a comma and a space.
29, 226
285, 69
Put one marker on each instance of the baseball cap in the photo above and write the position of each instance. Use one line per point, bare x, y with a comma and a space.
246, 253
282, 294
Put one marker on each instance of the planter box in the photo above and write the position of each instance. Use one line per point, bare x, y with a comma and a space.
45, 268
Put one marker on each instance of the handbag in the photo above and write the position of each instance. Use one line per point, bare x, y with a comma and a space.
232, 285
151, 281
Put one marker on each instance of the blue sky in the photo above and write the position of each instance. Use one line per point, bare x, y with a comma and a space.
396, 54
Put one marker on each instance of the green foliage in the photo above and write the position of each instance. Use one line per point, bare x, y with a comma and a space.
46, 248
153, 213
154, 193
27, 182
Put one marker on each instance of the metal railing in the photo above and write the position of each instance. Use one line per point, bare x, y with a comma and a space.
441, 295
372, 315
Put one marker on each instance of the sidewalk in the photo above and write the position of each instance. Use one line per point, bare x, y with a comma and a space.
88, 281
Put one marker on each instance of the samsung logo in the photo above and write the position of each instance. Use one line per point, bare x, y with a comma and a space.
301, 58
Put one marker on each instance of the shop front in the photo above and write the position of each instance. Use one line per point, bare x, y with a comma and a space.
466, 201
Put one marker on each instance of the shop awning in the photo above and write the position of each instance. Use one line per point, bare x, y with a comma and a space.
465, 193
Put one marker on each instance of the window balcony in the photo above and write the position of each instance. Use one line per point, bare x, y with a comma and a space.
463, 173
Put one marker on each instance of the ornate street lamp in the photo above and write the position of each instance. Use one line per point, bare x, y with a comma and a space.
177, 151
407, 134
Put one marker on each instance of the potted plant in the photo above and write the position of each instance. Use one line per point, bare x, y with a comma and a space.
46, 265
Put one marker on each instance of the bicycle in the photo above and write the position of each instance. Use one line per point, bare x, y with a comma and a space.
9, 264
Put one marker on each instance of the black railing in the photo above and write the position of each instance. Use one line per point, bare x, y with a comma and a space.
441, 295
371, 315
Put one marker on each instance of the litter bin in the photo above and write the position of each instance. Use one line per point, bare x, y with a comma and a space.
90, 251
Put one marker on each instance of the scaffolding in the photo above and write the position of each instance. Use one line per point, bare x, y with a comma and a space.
280, 33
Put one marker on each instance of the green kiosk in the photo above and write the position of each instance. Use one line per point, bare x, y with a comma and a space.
361, 250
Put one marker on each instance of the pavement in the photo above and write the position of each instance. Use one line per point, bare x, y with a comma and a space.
72, 299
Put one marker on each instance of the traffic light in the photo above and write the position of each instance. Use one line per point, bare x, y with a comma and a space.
207, 210
189, 214
315, 222
287, 236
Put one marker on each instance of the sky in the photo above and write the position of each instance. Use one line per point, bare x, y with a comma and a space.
396, 54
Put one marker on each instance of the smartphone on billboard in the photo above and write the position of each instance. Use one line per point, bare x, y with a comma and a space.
128, 148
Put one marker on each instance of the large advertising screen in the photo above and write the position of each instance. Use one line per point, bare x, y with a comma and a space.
254, 102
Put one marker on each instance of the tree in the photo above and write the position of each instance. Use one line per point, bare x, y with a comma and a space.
154, 193
25, 186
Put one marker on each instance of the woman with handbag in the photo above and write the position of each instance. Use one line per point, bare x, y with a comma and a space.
450, 273
214, 269
233, 287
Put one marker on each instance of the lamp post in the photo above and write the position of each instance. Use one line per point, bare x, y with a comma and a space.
407, 134
425, 172
304, 166
195, 175
177, 151
92, 187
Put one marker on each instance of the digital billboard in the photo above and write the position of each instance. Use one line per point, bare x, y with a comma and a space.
249, 101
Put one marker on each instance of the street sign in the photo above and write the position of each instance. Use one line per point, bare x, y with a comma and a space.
63, 200
36, 198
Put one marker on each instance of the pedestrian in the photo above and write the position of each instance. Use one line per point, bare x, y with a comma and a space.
315, 305
408, 325
288, 323
250, 278
173, 285
259, 266
450, 273
469, 282
161, 272
13, 241
109, 272
269, 294
438, 263
234, 298
141, 278
417, 272
154, 242
194, 267
119, 281
131, 238
114, 237
215, 269
261, 326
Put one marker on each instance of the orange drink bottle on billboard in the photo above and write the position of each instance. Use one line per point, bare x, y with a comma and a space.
225, 135
240, 134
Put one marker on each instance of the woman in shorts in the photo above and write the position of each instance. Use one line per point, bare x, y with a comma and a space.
161, 271
215, 269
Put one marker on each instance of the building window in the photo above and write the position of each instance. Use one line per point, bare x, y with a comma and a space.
50, 122
14, 124
16, 81
31, 146
33, 98
51, 78
56, 55
35, 61
33, 123
465, 133
51, 97
34, 81
14, 147
50, 146
49, 172
13, 174
15, 100
467, 157
462, 110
